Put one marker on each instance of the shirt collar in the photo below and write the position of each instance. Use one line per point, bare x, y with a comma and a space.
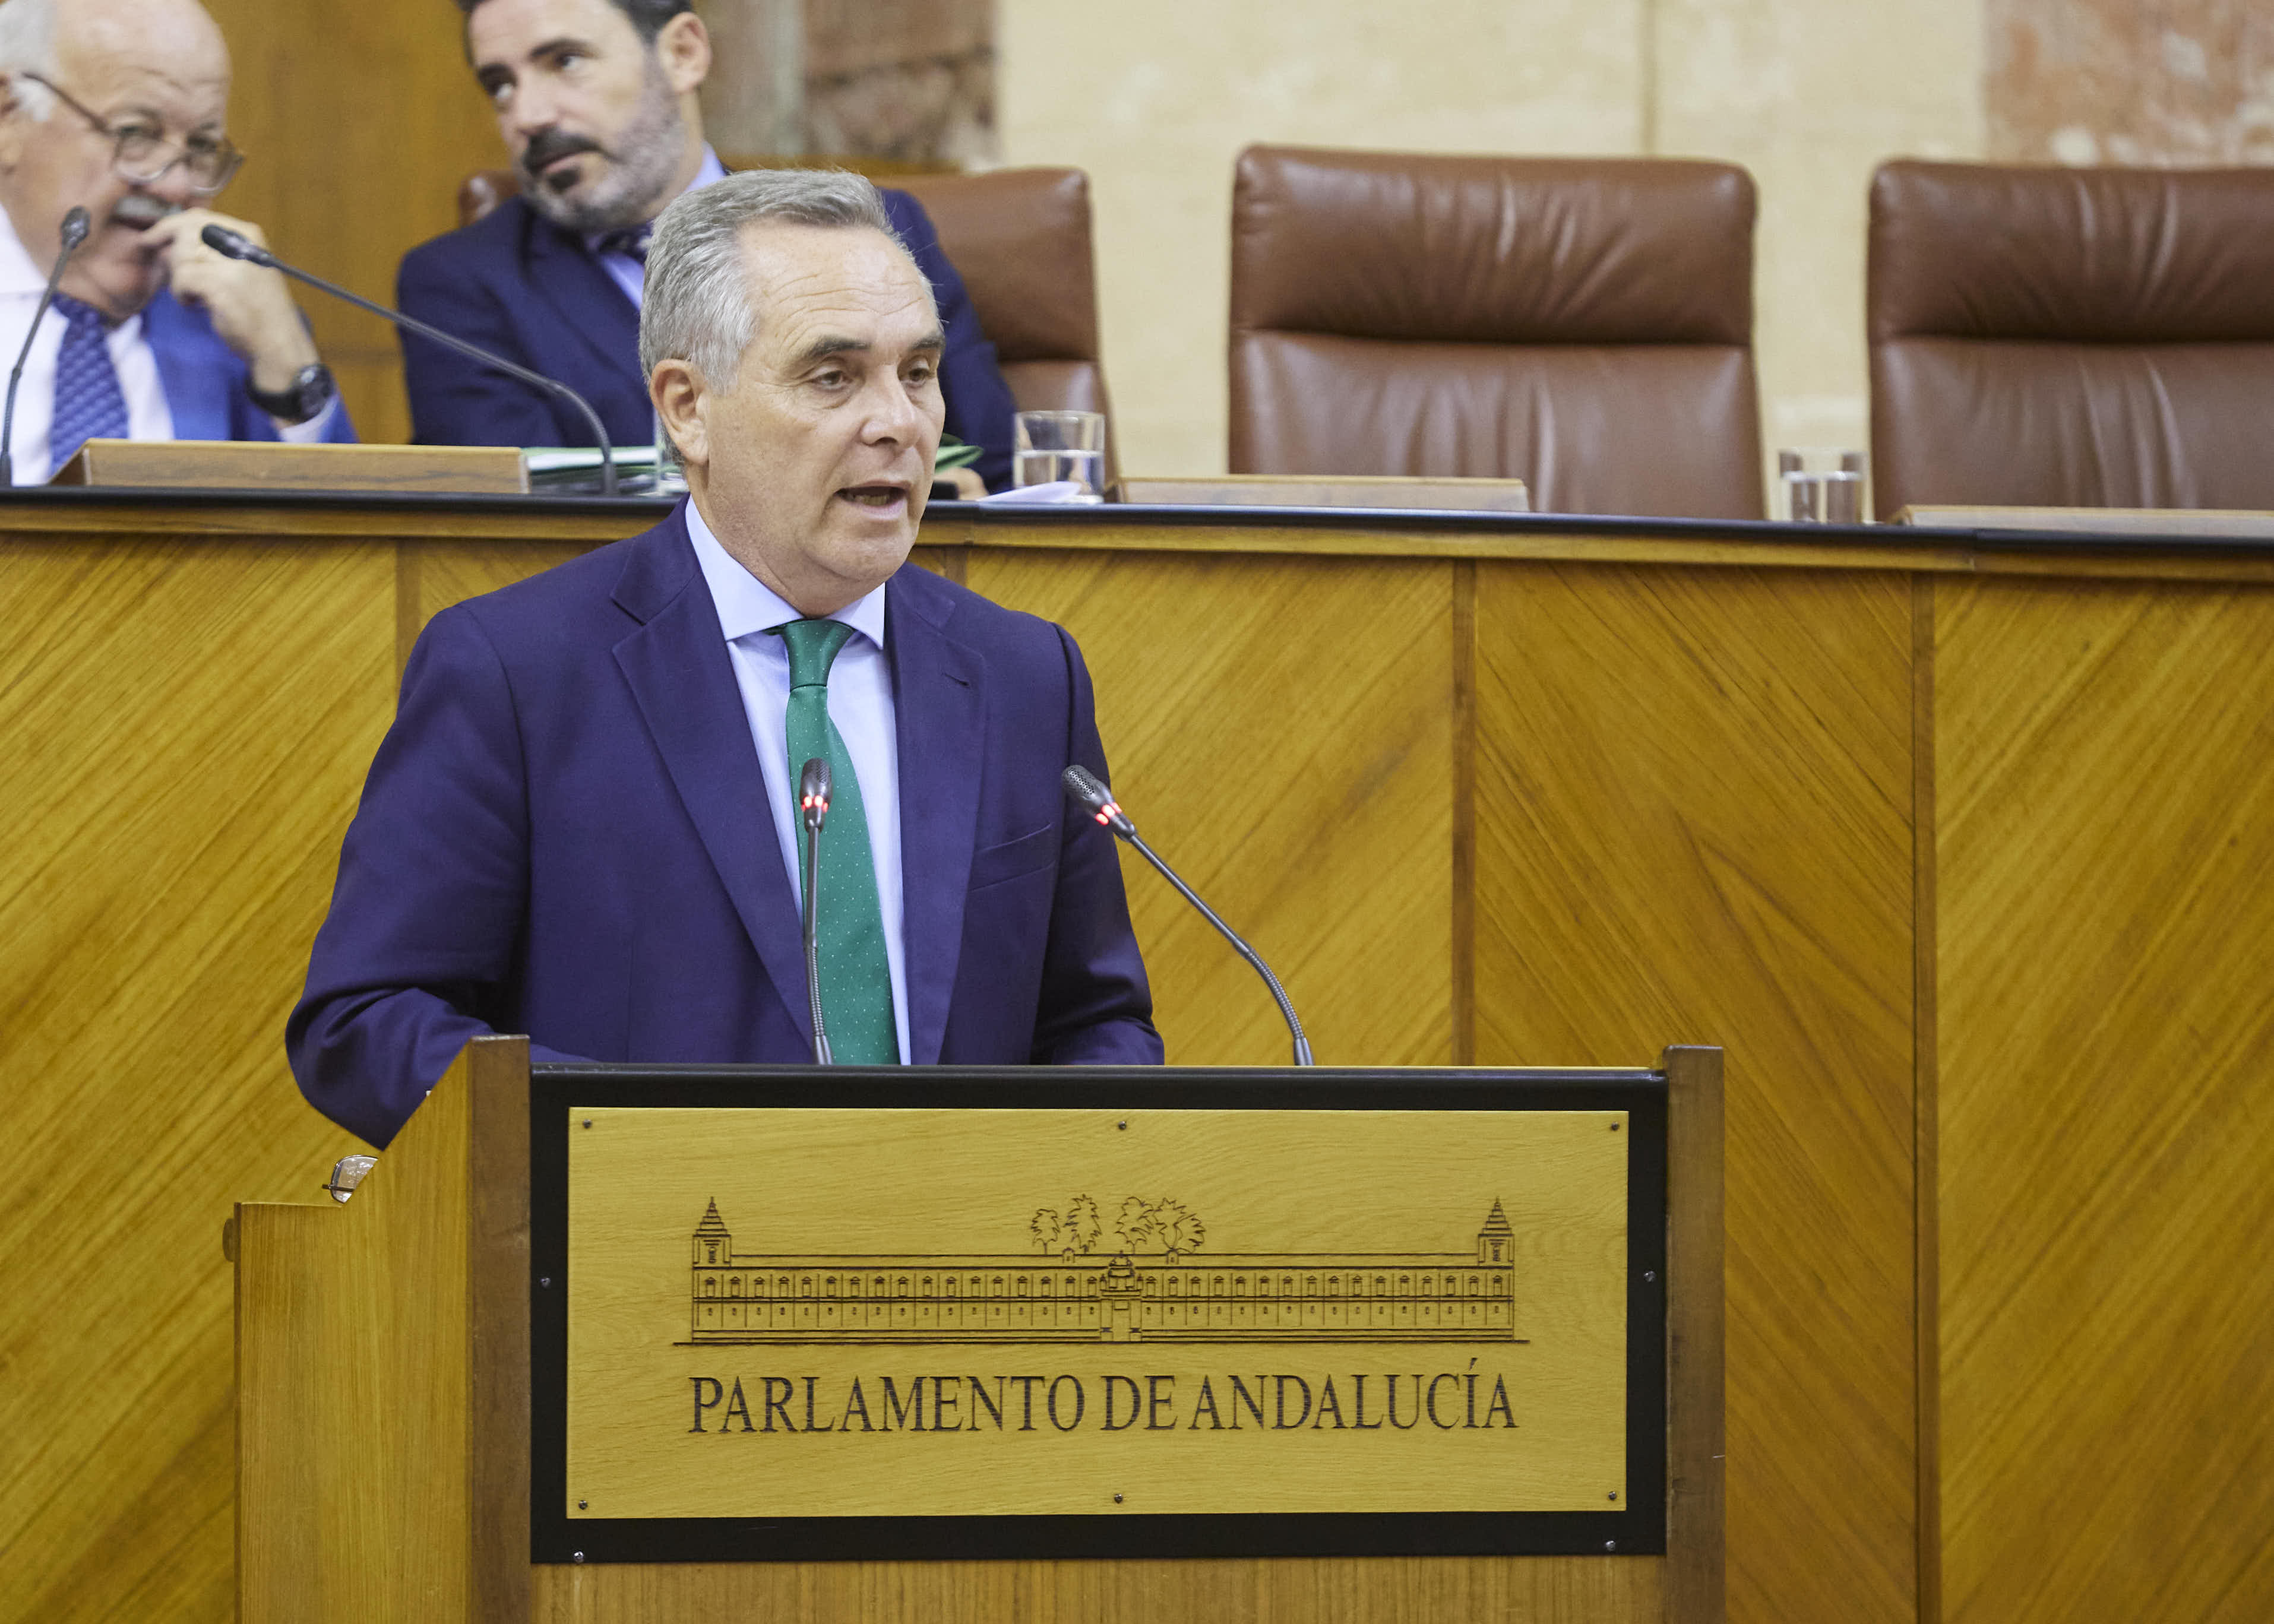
22, 277
748, 605
711, 169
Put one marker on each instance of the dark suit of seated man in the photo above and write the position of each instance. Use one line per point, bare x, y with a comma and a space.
596, 99
582, 824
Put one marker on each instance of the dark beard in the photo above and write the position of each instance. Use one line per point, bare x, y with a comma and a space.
640, 166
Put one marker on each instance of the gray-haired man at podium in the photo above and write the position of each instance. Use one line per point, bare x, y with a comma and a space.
566, 833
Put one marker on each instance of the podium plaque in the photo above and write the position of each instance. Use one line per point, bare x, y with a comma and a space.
783, 1315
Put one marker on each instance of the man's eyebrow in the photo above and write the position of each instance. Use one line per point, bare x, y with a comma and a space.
829, 344
538, 53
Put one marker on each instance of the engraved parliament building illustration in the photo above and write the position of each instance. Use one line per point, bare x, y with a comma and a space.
1078, 1294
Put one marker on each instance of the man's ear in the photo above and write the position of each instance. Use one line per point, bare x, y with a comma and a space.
681, 401
684, 46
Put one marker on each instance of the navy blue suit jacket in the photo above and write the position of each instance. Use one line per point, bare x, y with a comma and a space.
566, 833
518, 285
204, 380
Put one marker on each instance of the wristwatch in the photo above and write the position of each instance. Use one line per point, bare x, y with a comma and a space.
311, 391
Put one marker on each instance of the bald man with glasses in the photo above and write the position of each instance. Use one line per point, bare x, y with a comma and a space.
119, 106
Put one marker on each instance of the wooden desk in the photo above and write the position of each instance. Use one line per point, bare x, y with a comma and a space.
1962, 850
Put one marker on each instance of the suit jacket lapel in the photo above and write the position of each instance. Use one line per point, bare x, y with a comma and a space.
682, 679
941, 711
586, 298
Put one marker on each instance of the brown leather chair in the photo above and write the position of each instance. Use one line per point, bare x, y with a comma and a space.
2072, 338
1583, 325
1020, 240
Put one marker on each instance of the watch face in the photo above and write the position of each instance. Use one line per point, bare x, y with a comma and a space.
310, 393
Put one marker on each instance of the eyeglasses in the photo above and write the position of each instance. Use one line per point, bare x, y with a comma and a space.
141, 151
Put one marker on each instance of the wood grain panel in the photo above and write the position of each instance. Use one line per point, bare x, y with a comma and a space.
1693, 802
2105, 870
1353, 1590
353, 1434
186, 727
360, 121
1281, 729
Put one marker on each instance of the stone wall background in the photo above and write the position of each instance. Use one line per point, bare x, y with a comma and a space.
1155, 100
911, 80
2131, 81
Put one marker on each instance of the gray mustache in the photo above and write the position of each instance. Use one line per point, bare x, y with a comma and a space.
141, 211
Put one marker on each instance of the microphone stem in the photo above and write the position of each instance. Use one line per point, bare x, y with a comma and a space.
16, 376
813, 943
599, 430
1286, 1009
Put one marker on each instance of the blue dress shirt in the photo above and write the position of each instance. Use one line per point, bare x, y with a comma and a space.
860, 703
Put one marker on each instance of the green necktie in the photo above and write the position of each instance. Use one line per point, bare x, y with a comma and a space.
856, 979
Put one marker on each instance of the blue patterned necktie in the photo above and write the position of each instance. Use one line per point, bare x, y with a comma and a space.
631, 241
89, 404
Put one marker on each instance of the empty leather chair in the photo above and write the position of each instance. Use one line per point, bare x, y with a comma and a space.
1583, 325
2072, 338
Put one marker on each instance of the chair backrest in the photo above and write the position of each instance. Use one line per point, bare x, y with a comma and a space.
1584, 325
1020, 240
2072, 338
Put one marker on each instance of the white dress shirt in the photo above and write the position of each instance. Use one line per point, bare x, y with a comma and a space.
630, 275
860, 703
148, 415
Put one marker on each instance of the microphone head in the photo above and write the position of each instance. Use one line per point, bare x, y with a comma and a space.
222, 240
1084, 787
813, 791
76, 224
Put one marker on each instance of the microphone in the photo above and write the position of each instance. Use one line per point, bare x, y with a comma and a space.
813, 807
1083, 786
236, 246
75, 228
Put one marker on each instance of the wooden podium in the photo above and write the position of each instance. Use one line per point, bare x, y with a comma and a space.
1403, 1343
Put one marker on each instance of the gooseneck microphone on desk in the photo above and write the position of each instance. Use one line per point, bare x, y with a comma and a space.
813, 807
75, 228
236, 246
1083, 786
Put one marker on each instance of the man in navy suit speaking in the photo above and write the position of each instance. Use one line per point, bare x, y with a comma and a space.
582, 824
119, 106
596, 99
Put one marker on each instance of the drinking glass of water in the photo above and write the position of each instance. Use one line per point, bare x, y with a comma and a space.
1051, 446
1820, 486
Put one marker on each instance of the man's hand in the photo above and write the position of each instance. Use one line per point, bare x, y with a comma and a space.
251, 307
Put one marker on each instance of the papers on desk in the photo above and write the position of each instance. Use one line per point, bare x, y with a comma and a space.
1063, 492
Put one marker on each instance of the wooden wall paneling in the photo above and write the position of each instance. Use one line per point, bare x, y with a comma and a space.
1352, 1591
1280, 730
1693, 818
1926, 1239
187, 724
359, 122
2106, 883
